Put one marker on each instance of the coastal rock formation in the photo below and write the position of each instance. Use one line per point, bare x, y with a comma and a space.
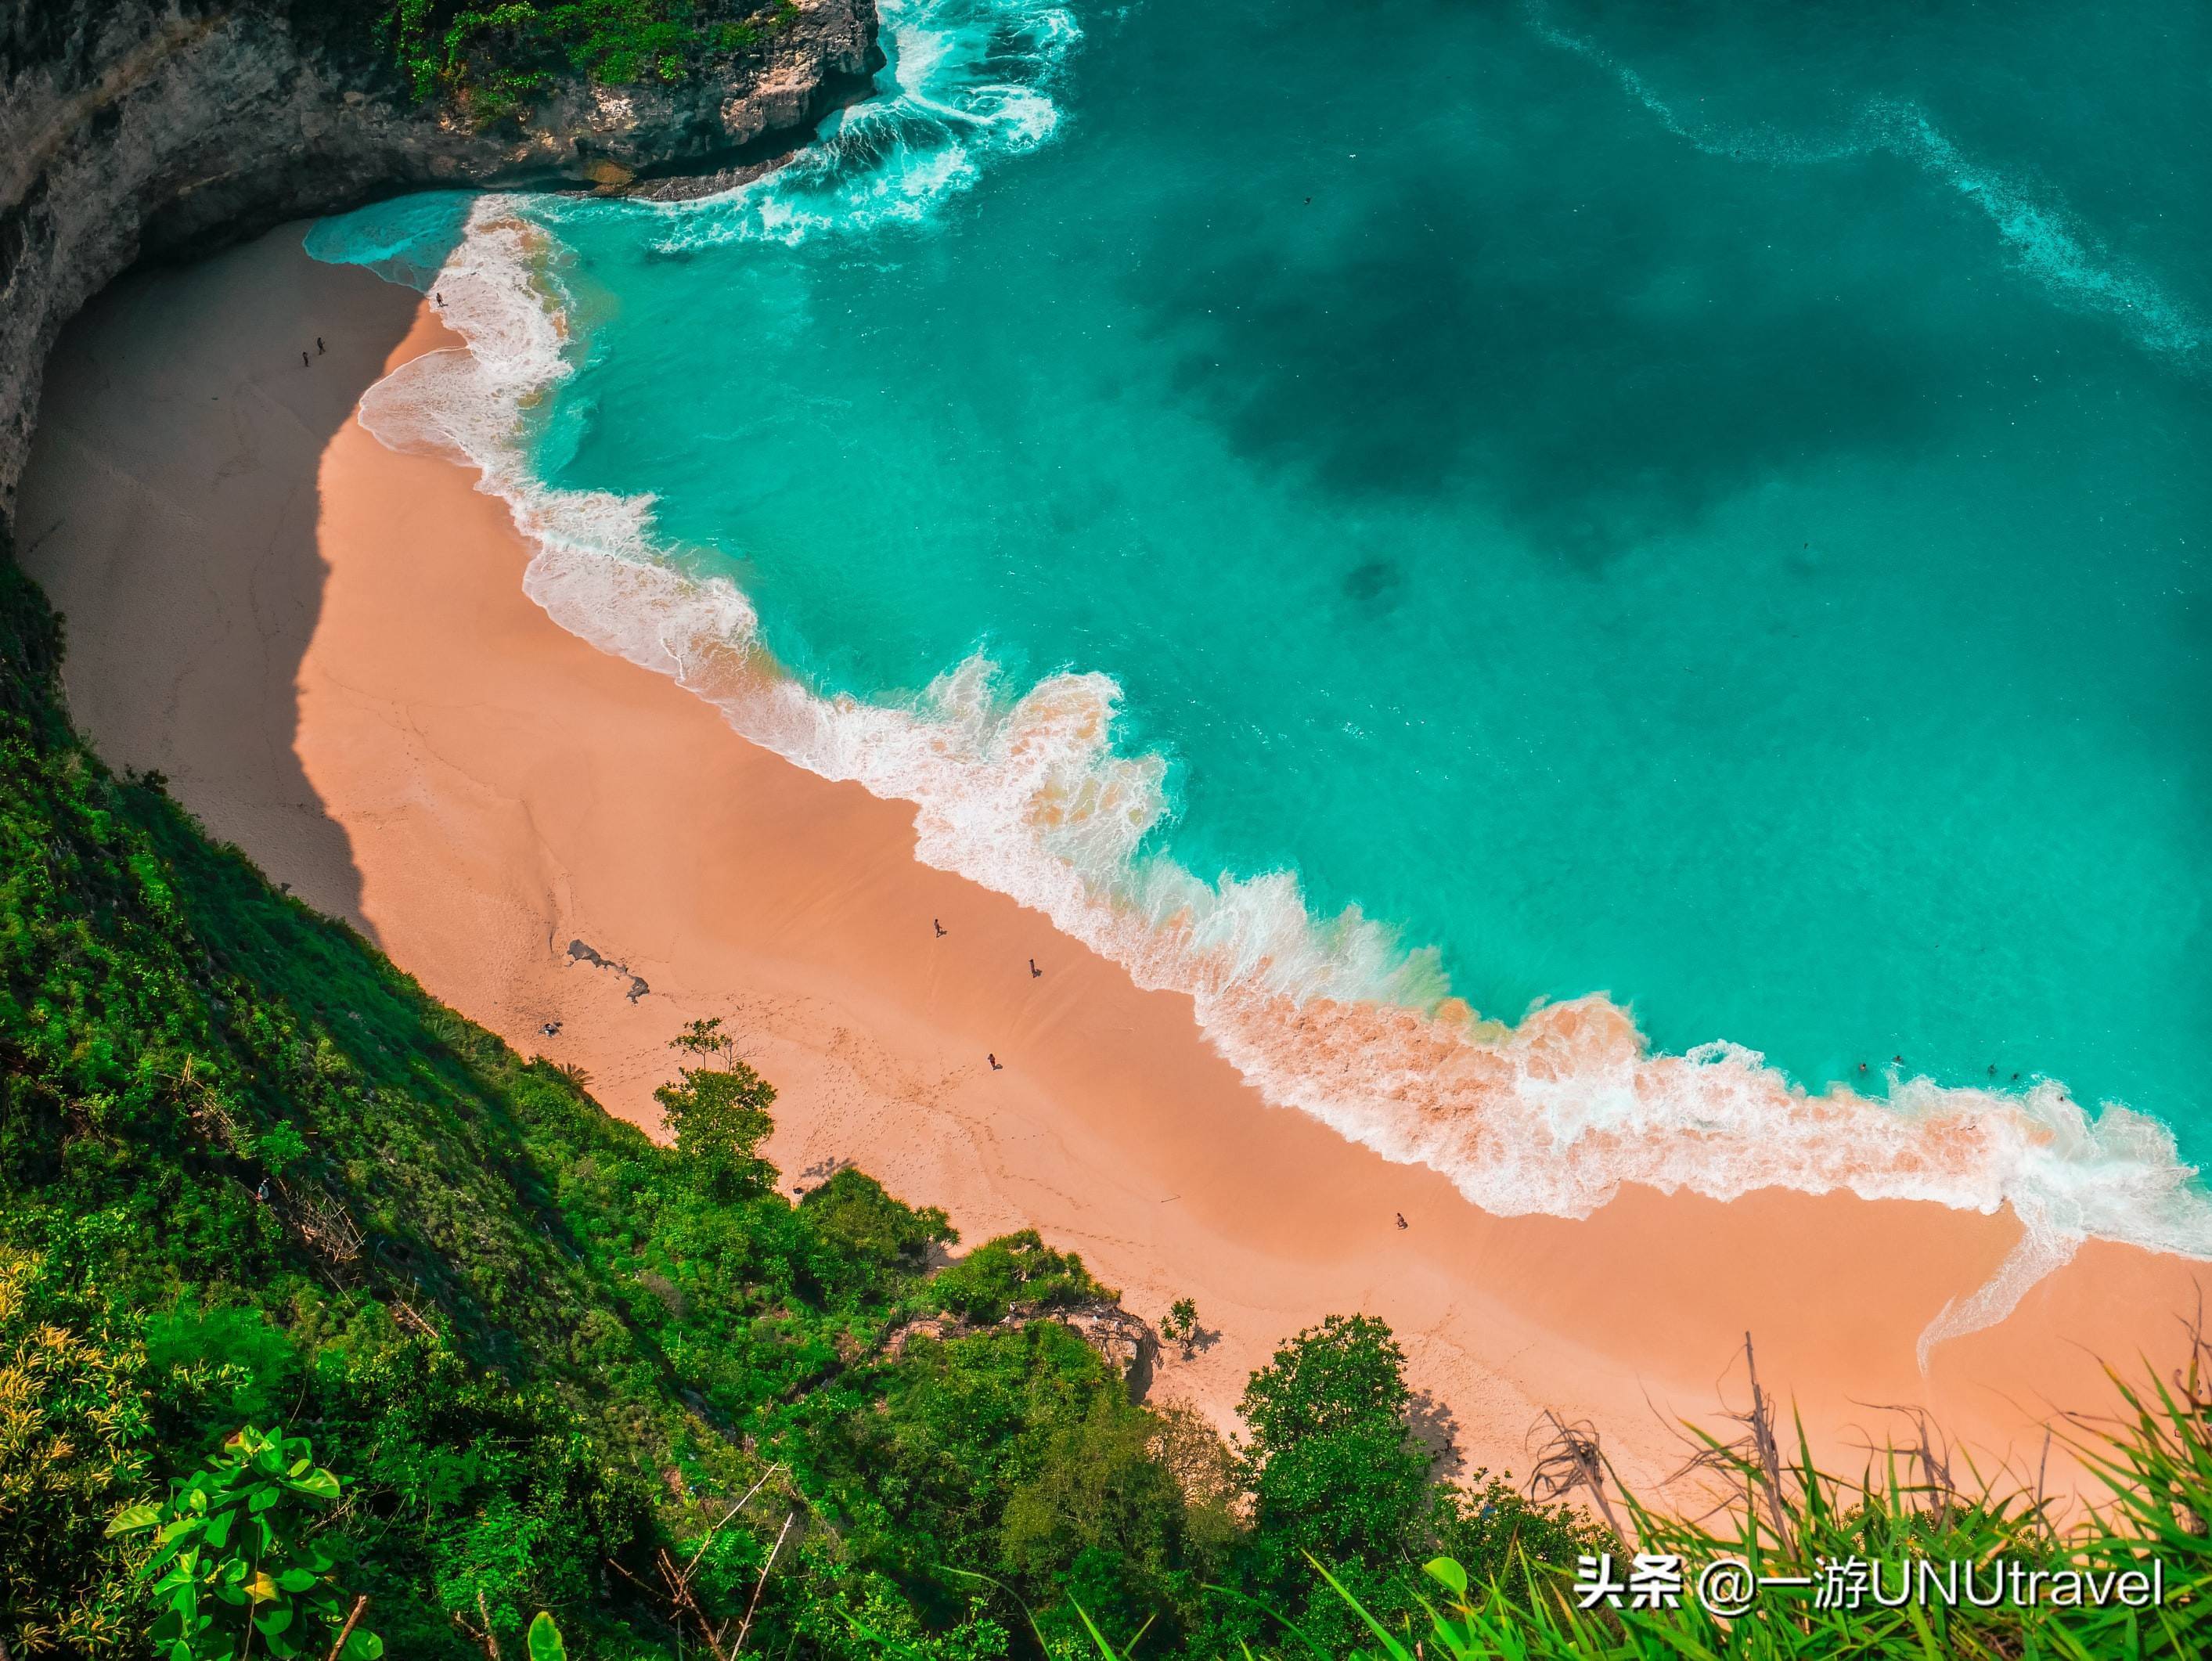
138, 128
1124, 1341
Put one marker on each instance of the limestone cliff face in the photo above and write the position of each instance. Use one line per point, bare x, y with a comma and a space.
130, 128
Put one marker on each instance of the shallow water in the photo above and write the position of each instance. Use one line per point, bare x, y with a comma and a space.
1707, 506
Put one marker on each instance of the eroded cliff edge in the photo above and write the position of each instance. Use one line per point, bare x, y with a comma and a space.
138, 128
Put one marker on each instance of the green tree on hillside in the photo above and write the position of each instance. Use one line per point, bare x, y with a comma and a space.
1333, 1469
1332, 1464
719, 1113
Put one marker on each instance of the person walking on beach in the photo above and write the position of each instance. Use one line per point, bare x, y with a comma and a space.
318, 345
993, 1061
938, 927
1401, 1219
306, 362
1036, 973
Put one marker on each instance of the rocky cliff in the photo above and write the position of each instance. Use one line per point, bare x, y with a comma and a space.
138, 128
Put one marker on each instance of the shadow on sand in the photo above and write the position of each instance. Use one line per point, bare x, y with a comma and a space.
170, 511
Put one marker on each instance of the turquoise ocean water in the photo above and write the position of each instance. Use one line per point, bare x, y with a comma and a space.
1708, 505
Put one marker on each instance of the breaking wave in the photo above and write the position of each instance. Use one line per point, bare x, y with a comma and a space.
969, 80
1026, 790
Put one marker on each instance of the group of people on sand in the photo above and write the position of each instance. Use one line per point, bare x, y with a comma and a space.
997, 1066
1036, 973
308, 362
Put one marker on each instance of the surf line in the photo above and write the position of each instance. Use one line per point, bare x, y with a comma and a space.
1027, 792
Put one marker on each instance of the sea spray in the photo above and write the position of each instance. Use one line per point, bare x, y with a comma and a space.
969, 80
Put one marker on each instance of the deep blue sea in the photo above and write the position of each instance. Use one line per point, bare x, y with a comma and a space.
1704, 504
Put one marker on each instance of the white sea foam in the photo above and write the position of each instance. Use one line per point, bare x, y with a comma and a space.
1026, 791
2045, 239
970, 80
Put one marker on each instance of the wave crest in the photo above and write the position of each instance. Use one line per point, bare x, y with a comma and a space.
1026, 791
971, 81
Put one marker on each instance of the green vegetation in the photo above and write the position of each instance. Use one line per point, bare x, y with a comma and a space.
250, 1176
549, 1387
1996, 1575
1844, 1542
1180, 1327
496, 60
229, 1567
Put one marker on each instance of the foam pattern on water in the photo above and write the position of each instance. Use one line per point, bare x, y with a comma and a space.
1027, 791
969, 80
406, 241
2044, 240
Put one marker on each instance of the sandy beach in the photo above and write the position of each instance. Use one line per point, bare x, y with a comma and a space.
327, 648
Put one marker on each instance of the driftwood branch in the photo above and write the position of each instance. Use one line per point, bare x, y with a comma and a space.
682, 1600
674, 1592
717, 1527
1572, 1459
1755, 1457
1766, 1447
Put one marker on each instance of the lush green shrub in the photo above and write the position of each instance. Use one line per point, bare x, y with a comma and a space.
1016, 1271
879, 1242
497, 59
76, 1442
236, 1565
1332, 1462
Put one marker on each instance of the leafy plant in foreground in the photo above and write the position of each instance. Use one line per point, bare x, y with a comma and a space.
544, 1640
1811, 1538
231, 1568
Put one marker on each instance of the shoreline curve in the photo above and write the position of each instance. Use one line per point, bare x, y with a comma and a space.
499, 788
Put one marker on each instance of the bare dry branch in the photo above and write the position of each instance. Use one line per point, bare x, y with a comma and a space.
344, 1632
1572, 1459
717, 1527
747, 1625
